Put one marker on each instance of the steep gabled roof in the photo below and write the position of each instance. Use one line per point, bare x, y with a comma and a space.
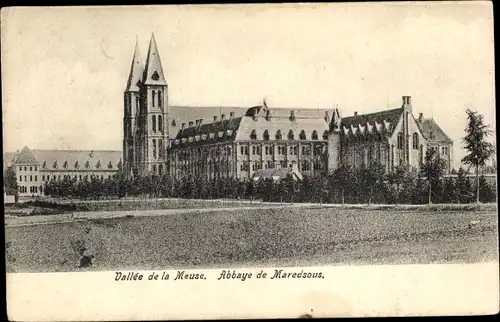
432, 132
77, 159
153, 71
220, 131
26, 156
184, 114
136, 70
385, 119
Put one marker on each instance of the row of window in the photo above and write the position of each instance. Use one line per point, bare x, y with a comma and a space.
26, 168
158, 101
76, 165
291, 135
26, 178
157, 171
160, 148
160, 123
32, 189
415, 143
303, 165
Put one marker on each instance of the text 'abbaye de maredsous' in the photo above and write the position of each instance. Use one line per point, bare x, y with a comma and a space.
223, 275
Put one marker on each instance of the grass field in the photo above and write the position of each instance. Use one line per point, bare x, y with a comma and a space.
270, 237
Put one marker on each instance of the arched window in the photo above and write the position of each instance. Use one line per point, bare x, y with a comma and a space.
291, 136
302, 135
65, 165
154, 149
159, 99
160, 123
153, 96
314, 135
400, 141
160, 169
253, 135
154, 123
415, 141
278, 135
266, 135
154, 169
160, 148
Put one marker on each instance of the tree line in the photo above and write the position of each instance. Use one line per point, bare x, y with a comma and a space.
365, 185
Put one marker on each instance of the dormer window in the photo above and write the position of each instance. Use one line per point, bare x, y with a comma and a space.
55, 165
266, 135
173, 123
77, 165
253, 135
110, 165
291, 136
65, 165
302, 135
292, 116
44, 165
278, 135
325, 135
98, 165
155, 76
87, 164
314, 135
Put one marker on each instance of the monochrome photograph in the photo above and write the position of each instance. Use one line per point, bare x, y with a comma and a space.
286, 137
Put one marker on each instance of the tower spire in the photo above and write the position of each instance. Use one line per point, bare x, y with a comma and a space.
153, 71
135, 70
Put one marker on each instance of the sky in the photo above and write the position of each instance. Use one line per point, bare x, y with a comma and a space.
64, 70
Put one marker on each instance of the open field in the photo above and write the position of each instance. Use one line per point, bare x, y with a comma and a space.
274, 236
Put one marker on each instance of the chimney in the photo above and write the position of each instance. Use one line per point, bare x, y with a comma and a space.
215, 118
200, 121
183, 125
223, 117
190, 123
406, 100
356, 113
420, 117
231, 115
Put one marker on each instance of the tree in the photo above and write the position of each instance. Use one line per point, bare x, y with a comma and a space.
432, 169
464, 189
10, 181
370, 177
397, 177
475, 143
341, 178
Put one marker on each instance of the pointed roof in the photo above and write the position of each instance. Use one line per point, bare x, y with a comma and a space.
153, 72
428, 127
136, 70
26, 156
389, 117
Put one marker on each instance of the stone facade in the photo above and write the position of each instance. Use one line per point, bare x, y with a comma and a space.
34, 168
219, 142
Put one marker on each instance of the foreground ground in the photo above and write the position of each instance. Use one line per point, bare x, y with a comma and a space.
289, 236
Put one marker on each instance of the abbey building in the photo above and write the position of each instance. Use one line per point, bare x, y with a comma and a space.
239, 142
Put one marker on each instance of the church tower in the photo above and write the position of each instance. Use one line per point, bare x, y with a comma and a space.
153, 114
145, 136
131, 107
